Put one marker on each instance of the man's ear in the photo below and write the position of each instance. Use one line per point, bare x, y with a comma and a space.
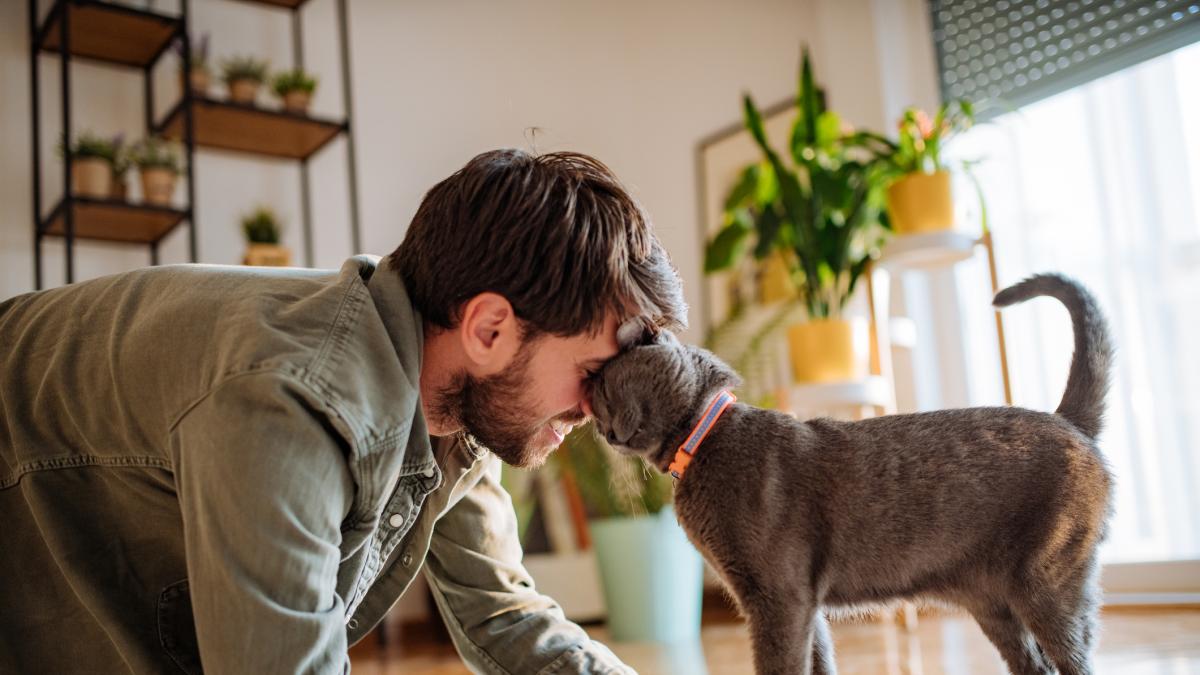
490, 333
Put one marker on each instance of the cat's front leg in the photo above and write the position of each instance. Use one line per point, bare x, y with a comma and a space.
782, 635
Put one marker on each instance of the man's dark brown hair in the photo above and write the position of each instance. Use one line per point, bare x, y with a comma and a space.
556, 234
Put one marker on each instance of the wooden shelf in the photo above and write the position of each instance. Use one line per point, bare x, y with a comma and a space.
246, 128
114, 220
110, 33
286, 4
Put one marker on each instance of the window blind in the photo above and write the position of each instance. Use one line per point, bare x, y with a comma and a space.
1002, 54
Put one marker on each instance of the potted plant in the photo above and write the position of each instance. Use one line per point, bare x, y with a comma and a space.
243, 75
91, 165
121, 162
651, 575
295, 88
200, 75
920, 200
262, 231
819, 214
158, 166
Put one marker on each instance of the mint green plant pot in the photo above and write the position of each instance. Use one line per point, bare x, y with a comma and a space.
653, 578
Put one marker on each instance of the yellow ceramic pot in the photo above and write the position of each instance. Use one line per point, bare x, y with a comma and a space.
775, 282
91, 177
921, 202
267, 255
827, 350
158, 185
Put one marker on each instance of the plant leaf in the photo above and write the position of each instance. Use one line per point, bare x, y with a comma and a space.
746, 186
768, 225
727, 247
829, 129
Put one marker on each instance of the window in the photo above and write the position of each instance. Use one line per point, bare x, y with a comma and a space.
1102, 182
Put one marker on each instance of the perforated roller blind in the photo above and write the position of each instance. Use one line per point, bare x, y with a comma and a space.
1001, 54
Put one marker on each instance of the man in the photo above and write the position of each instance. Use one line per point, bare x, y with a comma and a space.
242, 469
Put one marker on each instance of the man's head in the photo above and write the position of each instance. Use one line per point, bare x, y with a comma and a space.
523, 267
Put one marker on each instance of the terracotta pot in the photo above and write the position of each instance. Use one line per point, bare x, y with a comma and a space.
91, 177
921, 202
200, 81
828, 350
158, 186
267, 255
297, 101
243, 91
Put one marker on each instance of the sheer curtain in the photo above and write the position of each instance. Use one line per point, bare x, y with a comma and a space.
1102, 183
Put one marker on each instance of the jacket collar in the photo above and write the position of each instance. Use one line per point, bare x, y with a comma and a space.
400, 318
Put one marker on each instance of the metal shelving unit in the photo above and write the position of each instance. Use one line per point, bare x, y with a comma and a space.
134, 38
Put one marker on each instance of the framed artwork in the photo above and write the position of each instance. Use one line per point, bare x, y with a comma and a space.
720, 159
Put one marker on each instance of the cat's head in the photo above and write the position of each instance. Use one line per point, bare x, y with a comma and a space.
653, 389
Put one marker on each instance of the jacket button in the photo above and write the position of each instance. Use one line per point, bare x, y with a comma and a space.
406, 559
396, 520
428, 473
353, 624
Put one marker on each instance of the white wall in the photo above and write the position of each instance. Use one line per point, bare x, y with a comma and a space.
634, 83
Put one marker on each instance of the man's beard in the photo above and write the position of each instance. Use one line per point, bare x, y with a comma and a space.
491, 410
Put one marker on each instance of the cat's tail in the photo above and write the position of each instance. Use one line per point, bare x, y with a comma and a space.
1091, 364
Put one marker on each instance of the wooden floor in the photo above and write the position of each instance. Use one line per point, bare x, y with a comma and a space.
1133, 642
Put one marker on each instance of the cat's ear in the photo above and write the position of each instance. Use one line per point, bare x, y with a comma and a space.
632, 333
665, 337
638, 332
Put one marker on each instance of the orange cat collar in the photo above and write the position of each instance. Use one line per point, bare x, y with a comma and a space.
683, 456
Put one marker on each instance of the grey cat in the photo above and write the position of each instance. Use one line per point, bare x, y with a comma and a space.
996, 510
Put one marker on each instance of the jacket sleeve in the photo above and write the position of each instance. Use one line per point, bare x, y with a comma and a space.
499, 622
263, 488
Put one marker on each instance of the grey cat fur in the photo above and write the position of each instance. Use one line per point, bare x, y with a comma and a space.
996, 510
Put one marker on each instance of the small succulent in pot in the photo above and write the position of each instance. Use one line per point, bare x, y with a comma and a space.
158, 164
92, 158
200, 74
243, 75
263, 232
295, 87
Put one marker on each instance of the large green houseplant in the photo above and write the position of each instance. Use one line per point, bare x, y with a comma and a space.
651, 575
819, 207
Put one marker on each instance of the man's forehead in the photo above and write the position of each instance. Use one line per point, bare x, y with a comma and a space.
603, 345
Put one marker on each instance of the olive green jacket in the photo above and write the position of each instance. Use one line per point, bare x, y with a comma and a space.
228, 468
